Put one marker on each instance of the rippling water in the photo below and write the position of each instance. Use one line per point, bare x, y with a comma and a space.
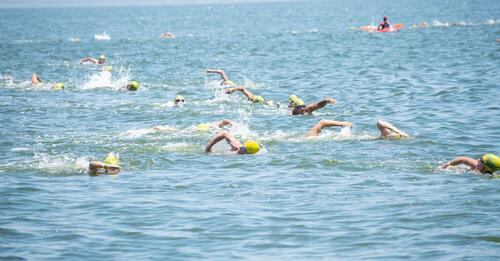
339, 196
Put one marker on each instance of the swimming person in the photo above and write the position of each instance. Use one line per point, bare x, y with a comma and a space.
179, 100
100, 60
132, 85
249, 147
384, 24
108, 166
223, 75
35, 80
205, 127
388, 131
300, 108
487, 164
167, 35
315, 131
250, 96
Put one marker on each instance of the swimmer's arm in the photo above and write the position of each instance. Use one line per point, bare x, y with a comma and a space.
230, 139
220, 72
383, 124
225, 122
35, 79
315, 131
472, 163
315, 106
242, 89
92, 60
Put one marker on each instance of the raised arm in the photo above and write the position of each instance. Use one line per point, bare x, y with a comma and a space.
35, 79
472, 163
326, 123
92, 60
230, 139
315, 106
225, 122
387, 130
241, 89
220, 72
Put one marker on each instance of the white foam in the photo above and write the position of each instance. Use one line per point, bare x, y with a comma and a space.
74, 39
102, 37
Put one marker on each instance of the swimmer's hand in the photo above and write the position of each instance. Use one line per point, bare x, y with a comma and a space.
444, 166
331, 100
230, 90
208, 150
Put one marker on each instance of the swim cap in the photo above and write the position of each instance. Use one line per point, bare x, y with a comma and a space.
133, 85
293, 97
58, 86
178, 97
298, 102
109, 68
112, 159
202, 127
251, 146
491, 162
228, 82
258, 98
102, 57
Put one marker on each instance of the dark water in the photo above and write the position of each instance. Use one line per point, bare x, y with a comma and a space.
343, 195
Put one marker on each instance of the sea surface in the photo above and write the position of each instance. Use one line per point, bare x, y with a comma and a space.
341, 196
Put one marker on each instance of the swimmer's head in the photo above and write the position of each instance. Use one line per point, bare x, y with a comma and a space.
58, 86
179, 100
228, 82
298, 103
491, 162
251, 147
385, 18
258, 99
202, 127
112, 159
291, 100
102, 58
133, 85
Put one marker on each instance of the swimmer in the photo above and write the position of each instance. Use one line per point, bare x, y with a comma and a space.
225, 79
132, 85
384, 24
300, 108
100, 60
315, 131
108, 166
249, 147
179, 100
422, 25
205, 127
388, 131
250, 96
487, 164
35, 80
167, 35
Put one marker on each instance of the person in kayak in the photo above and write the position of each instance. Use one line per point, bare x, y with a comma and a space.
384, 24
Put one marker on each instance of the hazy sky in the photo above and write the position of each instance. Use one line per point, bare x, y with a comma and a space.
75, 3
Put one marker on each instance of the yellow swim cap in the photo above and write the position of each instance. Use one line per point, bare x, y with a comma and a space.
112, 159
58, 86
251, 147
228, 82
258, 98
298, 102
292, 98
202, 127
179, 98
109, 68
102, 57
133, 85
491, 162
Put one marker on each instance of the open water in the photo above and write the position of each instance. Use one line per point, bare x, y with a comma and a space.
343, 195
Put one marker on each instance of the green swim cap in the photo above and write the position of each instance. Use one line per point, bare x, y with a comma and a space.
112, 159
292, 98
202, 127
258, 98
133, 85
491, 162
179, 98
228, 82
58, 86
251, 147
298, 102
109, 68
